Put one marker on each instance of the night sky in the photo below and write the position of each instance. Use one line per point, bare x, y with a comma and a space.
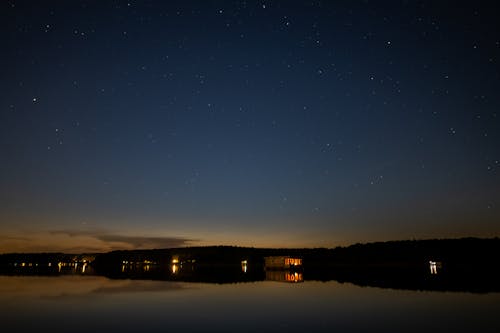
139, 124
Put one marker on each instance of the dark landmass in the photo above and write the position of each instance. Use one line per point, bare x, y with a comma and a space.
467, 264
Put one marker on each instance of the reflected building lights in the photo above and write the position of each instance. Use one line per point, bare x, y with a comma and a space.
294, 277
284, 276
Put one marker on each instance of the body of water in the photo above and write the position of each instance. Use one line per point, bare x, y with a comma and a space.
75, 303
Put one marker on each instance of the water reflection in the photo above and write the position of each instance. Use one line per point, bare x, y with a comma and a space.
294, 277
284, 276
150, 306
66, 286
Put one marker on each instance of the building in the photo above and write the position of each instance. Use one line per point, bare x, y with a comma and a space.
282, 262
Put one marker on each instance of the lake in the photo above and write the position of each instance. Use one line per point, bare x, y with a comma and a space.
78, 303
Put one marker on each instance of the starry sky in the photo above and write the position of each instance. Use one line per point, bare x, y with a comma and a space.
140, 124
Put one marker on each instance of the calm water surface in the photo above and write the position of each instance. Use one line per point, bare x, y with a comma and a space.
98, 304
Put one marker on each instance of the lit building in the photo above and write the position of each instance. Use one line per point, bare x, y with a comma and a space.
282, 262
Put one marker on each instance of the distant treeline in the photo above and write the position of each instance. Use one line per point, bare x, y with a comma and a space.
467, 264
42, 259
452, 252
462, 251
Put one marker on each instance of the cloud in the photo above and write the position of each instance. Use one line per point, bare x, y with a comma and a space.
146, 242
80, 241
116, 241
17, 238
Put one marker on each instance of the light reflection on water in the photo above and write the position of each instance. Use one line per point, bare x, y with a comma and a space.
100, 304
284, 276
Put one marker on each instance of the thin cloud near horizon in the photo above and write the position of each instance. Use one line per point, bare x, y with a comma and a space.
136, 242
86, 241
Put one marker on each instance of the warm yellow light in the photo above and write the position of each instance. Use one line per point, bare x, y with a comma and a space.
294, 277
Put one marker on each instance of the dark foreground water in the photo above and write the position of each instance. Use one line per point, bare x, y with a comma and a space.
97, 304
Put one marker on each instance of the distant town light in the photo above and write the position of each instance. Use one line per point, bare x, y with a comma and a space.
434, 265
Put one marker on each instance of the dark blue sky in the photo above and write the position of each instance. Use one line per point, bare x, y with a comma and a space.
263, 123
